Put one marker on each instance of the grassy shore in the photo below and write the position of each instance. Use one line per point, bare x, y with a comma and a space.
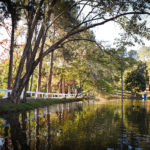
31, 104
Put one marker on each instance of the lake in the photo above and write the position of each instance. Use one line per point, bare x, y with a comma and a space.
88, 125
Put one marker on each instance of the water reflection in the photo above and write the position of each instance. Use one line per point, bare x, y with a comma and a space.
109, 126
17, 137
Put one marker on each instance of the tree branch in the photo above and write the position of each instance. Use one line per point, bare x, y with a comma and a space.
71, 33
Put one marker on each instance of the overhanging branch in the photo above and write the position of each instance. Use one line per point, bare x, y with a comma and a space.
72, 32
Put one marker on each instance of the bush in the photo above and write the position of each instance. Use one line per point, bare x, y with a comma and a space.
135, 82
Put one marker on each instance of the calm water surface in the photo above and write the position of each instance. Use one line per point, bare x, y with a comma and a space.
80, 125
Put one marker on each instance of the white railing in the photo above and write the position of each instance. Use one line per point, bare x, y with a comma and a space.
42, 94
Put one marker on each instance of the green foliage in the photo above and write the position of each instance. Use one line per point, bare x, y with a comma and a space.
4, 71
3, 75
103, 85
135, 80
89, 66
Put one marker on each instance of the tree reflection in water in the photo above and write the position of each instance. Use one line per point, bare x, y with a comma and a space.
37, 130
17, 132
48, 130
6, 138
86, 126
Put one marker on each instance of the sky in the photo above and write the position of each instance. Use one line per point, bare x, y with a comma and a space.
3, 36
110, 31
107, 32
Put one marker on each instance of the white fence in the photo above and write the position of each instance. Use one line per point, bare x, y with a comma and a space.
42, 94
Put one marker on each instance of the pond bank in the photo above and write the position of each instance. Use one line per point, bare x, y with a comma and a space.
31, 104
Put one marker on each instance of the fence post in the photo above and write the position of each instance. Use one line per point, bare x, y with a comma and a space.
30, 94
35, 95
6, 94
22, 95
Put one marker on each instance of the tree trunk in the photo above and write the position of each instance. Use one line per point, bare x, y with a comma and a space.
77, 92
49, 85
69, 89
60, 86
41, 62
122, 85
31, 82
27, 84
20, 83
17, 90
39, 77
25, 92
63, 86
11, 55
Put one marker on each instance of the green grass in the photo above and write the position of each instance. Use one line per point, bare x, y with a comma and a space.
31, 104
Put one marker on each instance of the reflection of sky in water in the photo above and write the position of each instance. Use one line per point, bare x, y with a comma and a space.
1, 142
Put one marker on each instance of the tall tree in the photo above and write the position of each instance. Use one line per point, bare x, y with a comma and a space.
132, 60
135, 80
13, 9
121, 59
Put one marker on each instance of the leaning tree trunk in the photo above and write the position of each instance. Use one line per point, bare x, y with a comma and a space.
11, 55
18, 85
39, 77
20, 81
31, 82
27, 84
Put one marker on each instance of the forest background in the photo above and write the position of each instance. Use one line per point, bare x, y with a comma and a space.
53, 49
